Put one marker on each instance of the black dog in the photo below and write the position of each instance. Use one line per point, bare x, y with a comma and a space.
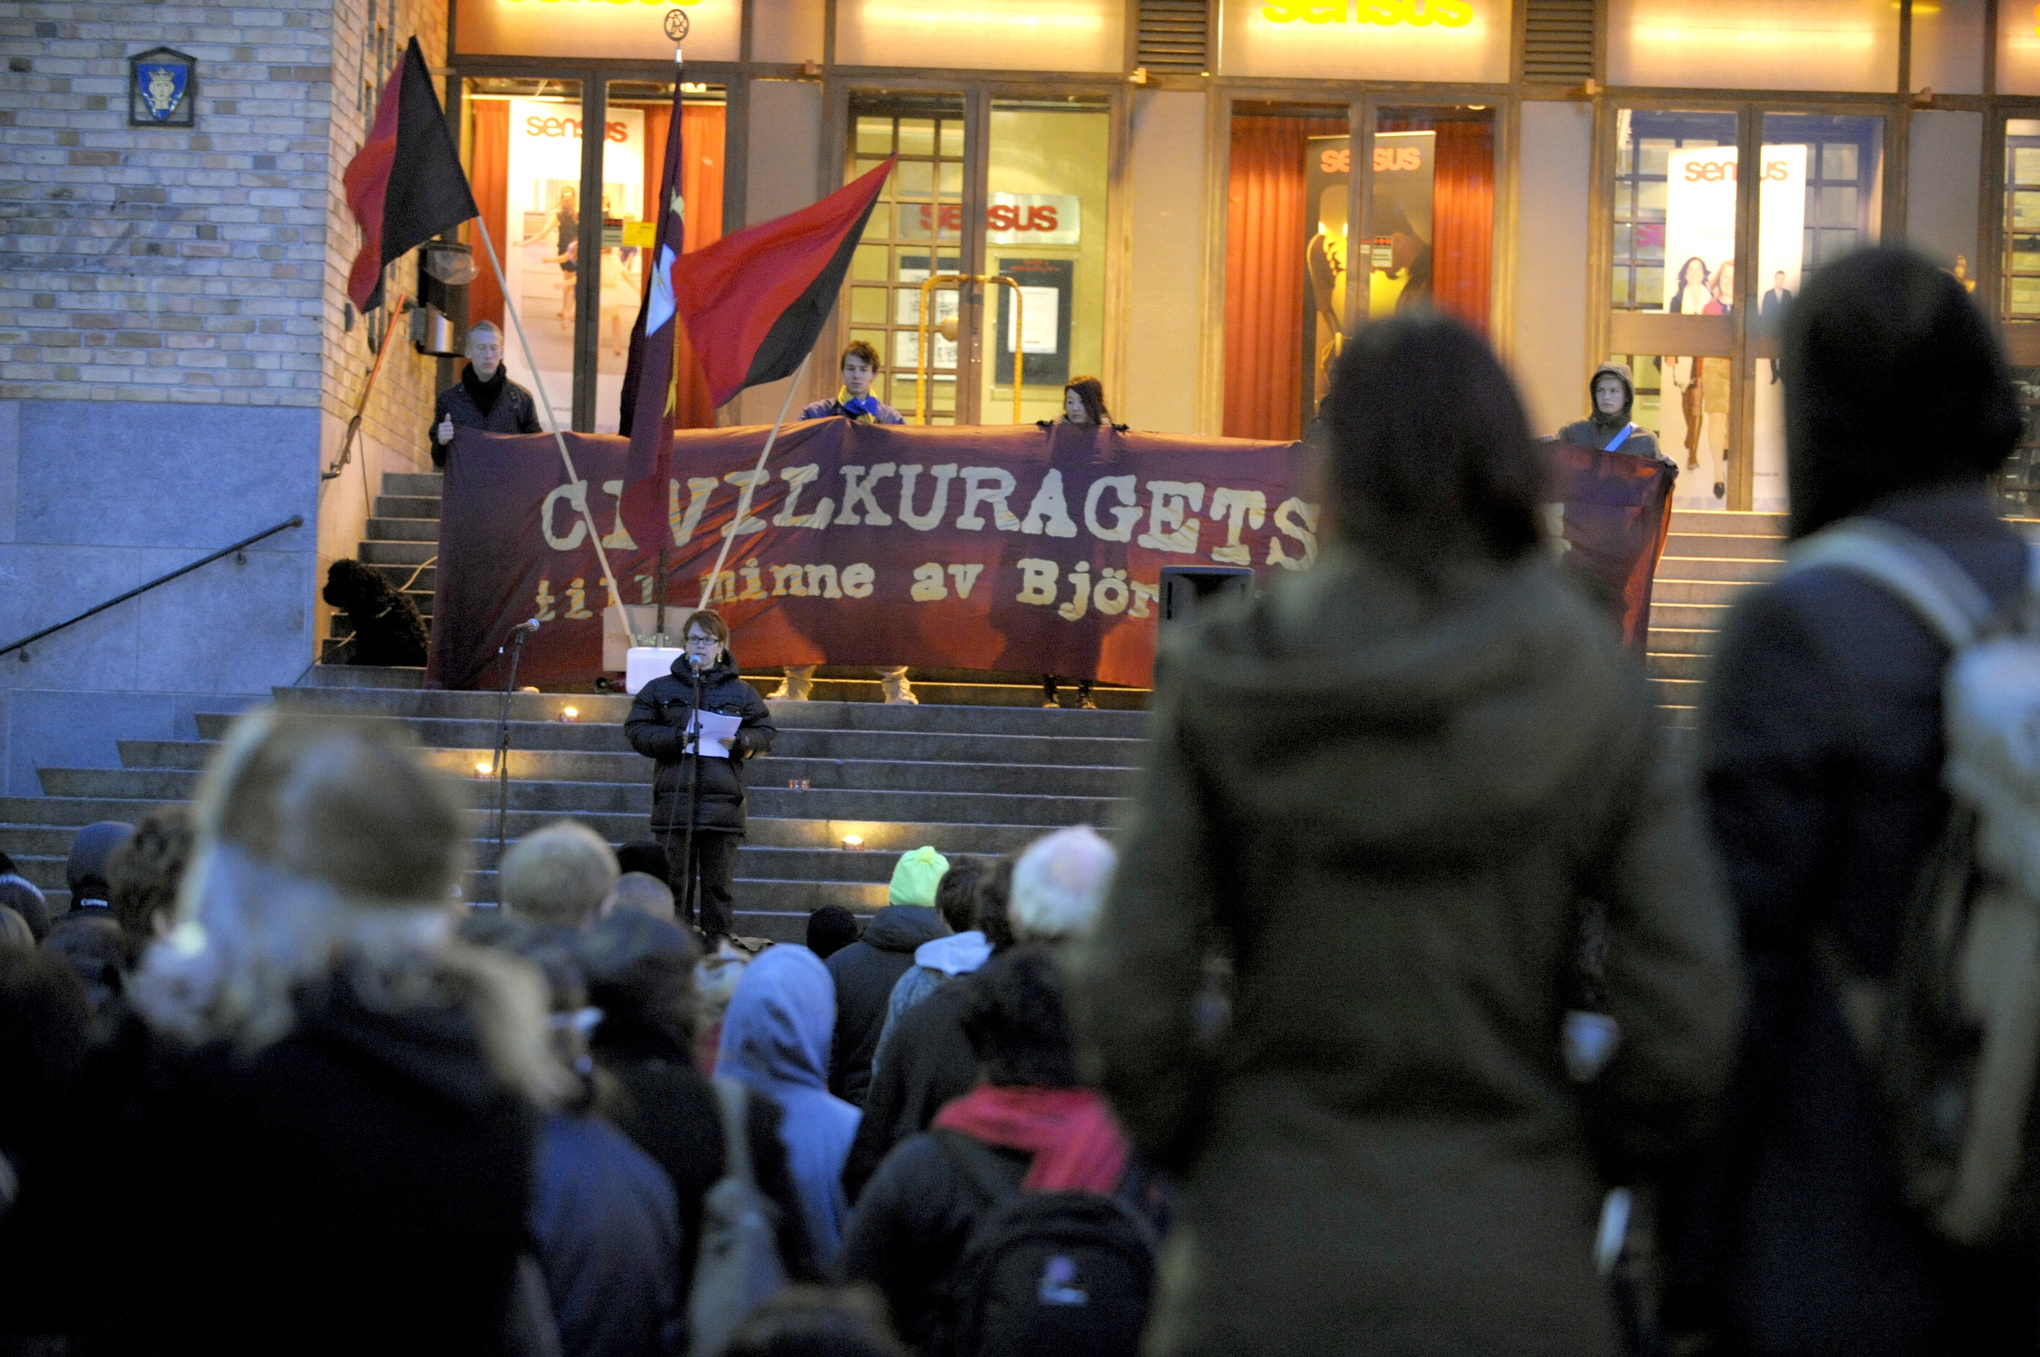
388, 629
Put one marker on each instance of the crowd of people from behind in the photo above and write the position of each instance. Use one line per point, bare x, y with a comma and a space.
1424, 1002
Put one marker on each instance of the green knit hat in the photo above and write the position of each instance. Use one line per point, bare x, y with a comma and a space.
915, 876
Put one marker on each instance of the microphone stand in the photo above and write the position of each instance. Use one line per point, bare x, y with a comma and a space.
693, 793
503, 750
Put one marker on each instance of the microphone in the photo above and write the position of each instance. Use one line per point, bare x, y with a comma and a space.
527, 626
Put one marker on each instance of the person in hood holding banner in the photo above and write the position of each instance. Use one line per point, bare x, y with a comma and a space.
698, 798
1608, 428
483, 398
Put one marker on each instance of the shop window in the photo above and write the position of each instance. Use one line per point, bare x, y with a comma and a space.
1434, 212
1947, 46
1754, 44
1286, 264
915, 232
640, 116
2022, 220
2018, 47
2019, 482
524, 163
1045, 229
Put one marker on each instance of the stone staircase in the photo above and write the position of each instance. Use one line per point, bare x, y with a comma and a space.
884, 778
1711, 557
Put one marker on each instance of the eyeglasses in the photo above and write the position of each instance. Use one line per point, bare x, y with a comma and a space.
699, 640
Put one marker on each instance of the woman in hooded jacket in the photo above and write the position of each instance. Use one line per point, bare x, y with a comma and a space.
775, 1041
336, 1095
1422, 755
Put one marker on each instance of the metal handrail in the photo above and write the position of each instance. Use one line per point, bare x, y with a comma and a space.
294, 521
921, 403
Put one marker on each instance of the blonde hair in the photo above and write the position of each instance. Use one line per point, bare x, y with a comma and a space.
558, 875
644, 893
325, 847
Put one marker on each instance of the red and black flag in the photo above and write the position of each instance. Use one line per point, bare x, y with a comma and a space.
405, 184
649, 391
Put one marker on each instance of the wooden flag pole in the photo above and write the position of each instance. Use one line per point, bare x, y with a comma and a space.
744, 500
538, 380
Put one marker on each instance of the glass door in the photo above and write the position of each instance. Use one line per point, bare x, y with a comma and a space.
1042, 306
915, 237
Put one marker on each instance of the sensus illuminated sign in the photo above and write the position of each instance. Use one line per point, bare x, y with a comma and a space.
1416, 13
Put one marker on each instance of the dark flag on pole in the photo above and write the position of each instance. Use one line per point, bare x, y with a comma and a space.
405, 184
649, 391
754, 302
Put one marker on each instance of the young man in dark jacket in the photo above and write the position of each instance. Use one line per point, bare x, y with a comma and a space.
483, 398
1821, 747
866, 971
704, 677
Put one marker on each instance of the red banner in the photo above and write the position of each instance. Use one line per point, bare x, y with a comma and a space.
866, 544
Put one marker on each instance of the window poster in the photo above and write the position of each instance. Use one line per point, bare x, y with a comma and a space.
1042, 332
1700, 280
942, 310
542, 260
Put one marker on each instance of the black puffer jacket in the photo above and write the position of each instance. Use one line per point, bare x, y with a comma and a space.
865, 973
657, 720
498, 405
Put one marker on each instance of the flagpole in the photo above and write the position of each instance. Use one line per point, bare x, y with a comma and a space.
538, 380
744, 499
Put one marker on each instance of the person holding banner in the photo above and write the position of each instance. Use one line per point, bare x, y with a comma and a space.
854, 402
1608, 428
698, 793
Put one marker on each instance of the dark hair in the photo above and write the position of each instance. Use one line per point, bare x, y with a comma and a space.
956, 892
640, 973
994, 894
25, 898
647, 856
1427, 449
1894, 378
97, 952
144, 873
45, 1031
832, 928
1679, 278
817, 1321
1091, 392
857, 348
1018, 1024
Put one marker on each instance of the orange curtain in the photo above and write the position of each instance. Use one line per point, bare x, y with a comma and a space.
701, 189
489, 176
1266, 233
1463, 220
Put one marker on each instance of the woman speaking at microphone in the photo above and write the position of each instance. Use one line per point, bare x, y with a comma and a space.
698, 795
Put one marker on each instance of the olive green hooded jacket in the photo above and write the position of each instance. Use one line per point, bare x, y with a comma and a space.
1384, 806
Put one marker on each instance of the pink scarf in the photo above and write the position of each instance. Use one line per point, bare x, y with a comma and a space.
1077, 1146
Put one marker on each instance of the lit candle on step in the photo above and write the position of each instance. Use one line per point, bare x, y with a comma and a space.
483, 768
570, 714
853, 841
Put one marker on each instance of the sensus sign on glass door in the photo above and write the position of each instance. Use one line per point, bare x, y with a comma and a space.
1700, 264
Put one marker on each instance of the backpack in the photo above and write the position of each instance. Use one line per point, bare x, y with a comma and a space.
738, 1267
1953, 1038
1068, 1273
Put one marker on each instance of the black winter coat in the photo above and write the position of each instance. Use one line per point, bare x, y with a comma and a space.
865, 973
661, 714
1821, 747
513, 411
928, 1064
669, 1108
359, 1186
